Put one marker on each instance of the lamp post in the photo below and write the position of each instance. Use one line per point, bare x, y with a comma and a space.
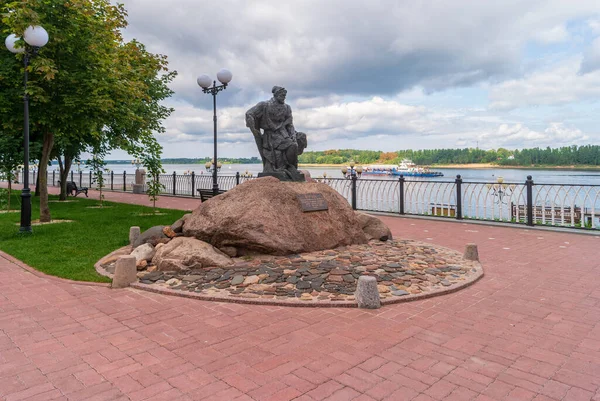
500, 190
224, 76
137, 163
211, 166
354, 172
36, 37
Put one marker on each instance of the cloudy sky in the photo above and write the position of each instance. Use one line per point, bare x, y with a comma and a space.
382, 74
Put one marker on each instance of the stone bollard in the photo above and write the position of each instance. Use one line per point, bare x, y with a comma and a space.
138, 186
139, 176
367, 294
134, 233
471, 252
125, 272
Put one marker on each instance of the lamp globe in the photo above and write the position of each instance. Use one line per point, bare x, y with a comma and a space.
36, 36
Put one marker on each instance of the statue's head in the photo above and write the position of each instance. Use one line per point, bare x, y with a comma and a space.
279, 93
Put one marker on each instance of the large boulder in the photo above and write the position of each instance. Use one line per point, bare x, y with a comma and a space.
183, 253
265, 216
373, 227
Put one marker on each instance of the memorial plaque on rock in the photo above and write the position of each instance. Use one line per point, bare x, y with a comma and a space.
312, 202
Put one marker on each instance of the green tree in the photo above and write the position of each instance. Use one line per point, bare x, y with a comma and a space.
87, 82
96, 164
10, 157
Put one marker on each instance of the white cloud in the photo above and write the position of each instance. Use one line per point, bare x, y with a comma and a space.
594, 25
519, 136
553, 35
386, 74
558, 85
591, 58
345, 46
374, 123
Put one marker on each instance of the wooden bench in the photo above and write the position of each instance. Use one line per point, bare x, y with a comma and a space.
547, 214
443, 209
206, 194
73, 190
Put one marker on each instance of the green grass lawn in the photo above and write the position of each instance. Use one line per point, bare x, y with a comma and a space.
69, 250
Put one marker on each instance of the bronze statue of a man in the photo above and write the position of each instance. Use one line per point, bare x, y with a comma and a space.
278, 144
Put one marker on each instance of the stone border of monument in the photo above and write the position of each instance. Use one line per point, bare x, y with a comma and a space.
474, 268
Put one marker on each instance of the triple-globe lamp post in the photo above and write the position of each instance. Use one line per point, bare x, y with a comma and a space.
224, 76
211, 166
35, 37
354, 172
500, 190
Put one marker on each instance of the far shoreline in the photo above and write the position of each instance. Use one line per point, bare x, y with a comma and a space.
479, 166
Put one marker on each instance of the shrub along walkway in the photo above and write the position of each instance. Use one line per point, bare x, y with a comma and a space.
530, 329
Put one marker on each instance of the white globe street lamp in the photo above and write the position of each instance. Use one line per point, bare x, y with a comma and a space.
35, 37
11, 41
204, 81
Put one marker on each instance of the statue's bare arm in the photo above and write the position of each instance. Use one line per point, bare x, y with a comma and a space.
252, 116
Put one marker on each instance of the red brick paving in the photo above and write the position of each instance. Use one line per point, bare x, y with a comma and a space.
529, 330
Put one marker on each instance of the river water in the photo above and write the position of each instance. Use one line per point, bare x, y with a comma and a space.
513, 175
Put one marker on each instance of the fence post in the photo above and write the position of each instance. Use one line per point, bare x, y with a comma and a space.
33, 180
193, 183
53, 178
237, 178
90, 183
354, 191
124, 181
112, 179
72, 176
529, 185
174, 183
402, 179
80, 179
458, 197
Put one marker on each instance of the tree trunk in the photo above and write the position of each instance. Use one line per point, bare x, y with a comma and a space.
9, 189
37, 184
64, 175
43, 177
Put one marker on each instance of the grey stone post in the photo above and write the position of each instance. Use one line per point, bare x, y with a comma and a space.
134, 233
367, 294
138, 187
471, 252
125, 272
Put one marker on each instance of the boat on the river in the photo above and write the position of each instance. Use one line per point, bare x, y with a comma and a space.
405, 168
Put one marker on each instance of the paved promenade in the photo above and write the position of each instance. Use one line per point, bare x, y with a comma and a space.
529, 330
